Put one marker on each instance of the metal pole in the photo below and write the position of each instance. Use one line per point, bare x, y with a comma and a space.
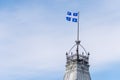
78, 28
77, 42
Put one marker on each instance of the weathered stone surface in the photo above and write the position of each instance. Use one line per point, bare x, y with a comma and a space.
77, 69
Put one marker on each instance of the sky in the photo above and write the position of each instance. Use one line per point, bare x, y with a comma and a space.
34, 37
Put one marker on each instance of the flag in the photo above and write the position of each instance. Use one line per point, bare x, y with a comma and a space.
72, 16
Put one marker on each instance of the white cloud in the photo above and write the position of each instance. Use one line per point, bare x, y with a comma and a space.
103, 43
112, 4
31, 44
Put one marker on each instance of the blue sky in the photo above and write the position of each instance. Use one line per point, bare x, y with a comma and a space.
34, 37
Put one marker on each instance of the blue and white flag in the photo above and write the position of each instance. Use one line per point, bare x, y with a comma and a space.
72, 17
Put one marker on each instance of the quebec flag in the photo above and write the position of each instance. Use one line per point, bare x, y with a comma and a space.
72, 17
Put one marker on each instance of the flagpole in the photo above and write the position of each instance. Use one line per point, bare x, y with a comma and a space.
78, 28
78, 41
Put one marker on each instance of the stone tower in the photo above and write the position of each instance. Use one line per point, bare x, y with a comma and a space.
77, 66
